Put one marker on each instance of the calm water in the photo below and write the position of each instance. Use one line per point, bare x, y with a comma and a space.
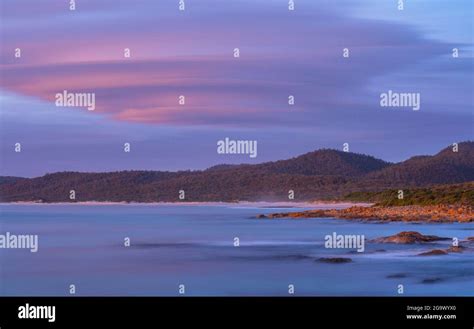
193, 245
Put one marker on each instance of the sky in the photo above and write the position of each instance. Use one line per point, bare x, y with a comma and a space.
191, 53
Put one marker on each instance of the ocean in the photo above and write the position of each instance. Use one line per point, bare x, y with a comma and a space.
192, 249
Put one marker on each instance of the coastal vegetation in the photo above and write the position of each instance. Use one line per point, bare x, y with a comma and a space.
450, 194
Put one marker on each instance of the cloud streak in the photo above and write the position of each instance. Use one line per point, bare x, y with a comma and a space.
220, 86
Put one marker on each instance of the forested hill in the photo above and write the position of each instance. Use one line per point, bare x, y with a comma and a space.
322, 174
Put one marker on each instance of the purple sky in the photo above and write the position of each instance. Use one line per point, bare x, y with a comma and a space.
190, 53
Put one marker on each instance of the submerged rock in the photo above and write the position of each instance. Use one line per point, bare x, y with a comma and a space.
335, 260
434, 252
456, 249
291, 257
431, 280
408, 237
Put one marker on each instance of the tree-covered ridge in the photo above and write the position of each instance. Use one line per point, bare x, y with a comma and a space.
319, 175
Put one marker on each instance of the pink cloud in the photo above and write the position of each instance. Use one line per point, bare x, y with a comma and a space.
191, 55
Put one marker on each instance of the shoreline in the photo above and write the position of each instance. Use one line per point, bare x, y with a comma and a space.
317, 209
424, 214
256, 204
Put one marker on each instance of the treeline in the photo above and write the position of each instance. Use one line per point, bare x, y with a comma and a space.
462, 194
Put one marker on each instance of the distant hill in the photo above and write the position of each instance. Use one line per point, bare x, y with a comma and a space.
322, 174
323, 162
443, 168
326, 162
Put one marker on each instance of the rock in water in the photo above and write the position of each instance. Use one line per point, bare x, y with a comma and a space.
335, 260
456, 249
434, 252
431, 280
407, 237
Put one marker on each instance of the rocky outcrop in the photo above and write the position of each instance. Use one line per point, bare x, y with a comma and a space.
408, 237
438, 213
